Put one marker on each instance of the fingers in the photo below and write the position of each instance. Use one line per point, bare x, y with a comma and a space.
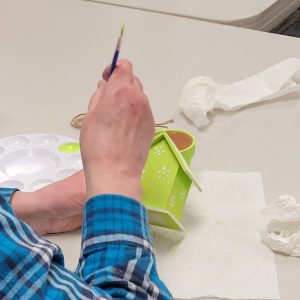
101, 83
122, 75
123, 72
92, 103
137, 83
97, 95
105, 73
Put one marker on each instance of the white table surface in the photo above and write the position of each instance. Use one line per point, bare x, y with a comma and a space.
52, 53
255, 14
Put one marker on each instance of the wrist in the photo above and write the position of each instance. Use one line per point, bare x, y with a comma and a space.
26, 207
114, 184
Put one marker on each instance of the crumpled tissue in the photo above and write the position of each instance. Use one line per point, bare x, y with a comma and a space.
282, 232
202, 94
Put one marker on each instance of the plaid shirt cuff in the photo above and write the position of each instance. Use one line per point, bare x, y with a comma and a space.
115, 219
5, 198
6, 193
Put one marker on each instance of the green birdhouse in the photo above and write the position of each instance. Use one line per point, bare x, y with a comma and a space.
167, 177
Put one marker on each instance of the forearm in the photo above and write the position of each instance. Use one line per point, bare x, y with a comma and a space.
117, 254
26, 207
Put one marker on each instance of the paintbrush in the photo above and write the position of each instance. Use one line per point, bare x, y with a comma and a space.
116, 55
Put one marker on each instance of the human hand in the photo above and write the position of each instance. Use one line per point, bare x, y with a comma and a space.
116, 134
54, 208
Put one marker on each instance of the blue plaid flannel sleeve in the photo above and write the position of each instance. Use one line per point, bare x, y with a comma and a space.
116, 262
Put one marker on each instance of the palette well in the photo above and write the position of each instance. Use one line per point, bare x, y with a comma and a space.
31, 161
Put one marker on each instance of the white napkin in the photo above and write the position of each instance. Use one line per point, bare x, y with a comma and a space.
221, 254
202, 94
282, 232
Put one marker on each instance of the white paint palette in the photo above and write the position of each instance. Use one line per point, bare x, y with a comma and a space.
31, 161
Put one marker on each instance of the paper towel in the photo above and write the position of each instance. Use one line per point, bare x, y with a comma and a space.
221, 254
282, 232
202, 94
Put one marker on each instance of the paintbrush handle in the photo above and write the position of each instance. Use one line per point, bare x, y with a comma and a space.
114, 62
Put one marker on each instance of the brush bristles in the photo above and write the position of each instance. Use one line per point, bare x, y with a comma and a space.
120, 38
122, 29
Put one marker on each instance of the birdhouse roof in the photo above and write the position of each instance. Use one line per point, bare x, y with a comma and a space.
180, 159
